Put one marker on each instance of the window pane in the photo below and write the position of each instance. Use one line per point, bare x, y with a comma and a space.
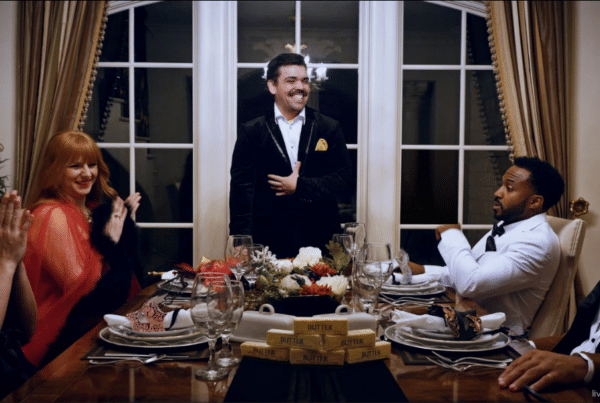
478, 47
338, 99
115, 46
253, 98
430, 107
347, 205
117, 160
164, 105
160, 248
421, 246
163, 32
164, 178
483, 120
108, 113
264, 28
483, 176
330, 31
431, 34
429, 191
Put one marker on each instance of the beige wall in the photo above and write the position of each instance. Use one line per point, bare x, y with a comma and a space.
584, 124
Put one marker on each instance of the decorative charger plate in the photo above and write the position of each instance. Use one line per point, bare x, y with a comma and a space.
167, 335
414, 334
438, 289
393, 334
192, 340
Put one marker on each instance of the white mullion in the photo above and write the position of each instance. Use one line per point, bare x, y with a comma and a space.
184, 146
131, 68
147, 65
164, 225
461, 117
445, 67
297, 27
453, 147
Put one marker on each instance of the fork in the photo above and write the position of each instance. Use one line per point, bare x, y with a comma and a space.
475, 359
143, 360
463, 366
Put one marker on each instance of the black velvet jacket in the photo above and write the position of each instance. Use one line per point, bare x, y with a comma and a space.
309, 217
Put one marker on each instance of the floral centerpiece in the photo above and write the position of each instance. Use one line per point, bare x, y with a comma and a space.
206, 266
286, 283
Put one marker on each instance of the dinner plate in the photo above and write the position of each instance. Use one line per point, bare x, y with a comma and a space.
433, 291
117, 340
177, 286
416, 335
411, 288
167, 335
392, 334
439, 335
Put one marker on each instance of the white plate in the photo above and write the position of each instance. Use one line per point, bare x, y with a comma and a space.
452, 342
446, 334
392, 334
433, 291
176, 286
153, 337
107, 336
410, 288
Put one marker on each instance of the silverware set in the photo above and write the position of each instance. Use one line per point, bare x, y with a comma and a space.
464, 363
112, 358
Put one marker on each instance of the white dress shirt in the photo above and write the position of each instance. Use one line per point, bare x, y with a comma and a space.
291, 132
589, 346
513, 279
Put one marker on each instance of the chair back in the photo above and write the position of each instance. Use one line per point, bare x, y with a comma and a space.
550, 317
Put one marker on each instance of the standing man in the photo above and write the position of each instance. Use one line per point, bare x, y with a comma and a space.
510, 269
289, 167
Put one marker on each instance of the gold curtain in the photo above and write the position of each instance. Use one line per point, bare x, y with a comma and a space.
527, 41
59, 47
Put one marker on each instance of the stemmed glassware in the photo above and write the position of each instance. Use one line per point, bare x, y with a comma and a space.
257, 261
211, 309
381, 266
367, 279
345, 241
237, 254
405, 270
358, 233
226, 358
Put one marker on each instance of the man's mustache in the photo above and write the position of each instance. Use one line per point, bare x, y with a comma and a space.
295, 92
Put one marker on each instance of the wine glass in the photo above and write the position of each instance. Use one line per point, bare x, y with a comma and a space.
226, 358
237, 254
380, 254
358, 233
363, 287
345, 241
371, 276
210, 312
402, 260
257, 261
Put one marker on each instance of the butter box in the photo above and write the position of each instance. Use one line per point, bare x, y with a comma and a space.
320, 326
381, 350
287, 338
255, 324
263, 350
313, 357
354, 339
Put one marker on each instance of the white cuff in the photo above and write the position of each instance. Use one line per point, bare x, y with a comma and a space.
591, 369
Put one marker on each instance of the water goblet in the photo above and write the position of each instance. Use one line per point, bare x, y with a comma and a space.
226, 358
358, 233
237, 254
363, 288
402, 260
210, 316
257, 261
345, 241
381, 256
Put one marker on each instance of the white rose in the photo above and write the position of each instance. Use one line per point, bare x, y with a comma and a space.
307, 257
290, 283
283, 265
338, 284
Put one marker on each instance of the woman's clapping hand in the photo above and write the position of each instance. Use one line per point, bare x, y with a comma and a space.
114, 226
14, 224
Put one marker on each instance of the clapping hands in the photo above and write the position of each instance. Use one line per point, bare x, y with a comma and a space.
114, 227
14, 224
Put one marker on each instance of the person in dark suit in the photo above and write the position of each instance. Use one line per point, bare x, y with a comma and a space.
574, 360
289, 168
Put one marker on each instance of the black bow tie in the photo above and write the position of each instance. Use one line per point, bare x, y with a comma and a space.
490, 244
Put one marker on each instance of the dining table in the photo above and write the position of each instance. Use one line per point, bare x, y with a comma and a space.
71, 377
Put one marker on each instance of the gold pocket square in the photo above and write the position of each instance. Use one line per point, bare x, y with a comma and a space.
321, 145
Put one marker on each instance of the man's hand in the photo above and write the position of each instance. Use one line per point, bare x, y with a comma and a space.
442, 228
285, 185
540, 369
416, 268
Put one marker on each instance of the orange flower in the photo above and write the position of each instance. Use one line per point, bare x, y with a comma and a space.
321, 269
315, 289
217, 266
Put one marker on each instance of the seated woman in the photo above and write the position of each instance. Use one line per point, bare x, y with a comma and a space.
17, 304
82, 245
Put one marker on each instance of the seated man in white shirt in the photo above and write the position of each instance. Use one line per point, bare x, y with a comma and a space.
509, 271
574, 360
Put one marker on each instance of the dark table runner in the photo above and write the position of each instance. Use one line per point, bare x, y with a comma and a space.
259, 380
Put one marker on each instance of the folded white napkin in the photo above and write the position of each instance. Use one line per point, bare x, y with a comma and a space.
183, 320
492, 321
416, 278
168, 275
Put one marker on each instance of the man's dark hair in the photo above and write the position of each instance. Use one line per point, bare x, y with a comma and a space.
284, 59
546, 180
